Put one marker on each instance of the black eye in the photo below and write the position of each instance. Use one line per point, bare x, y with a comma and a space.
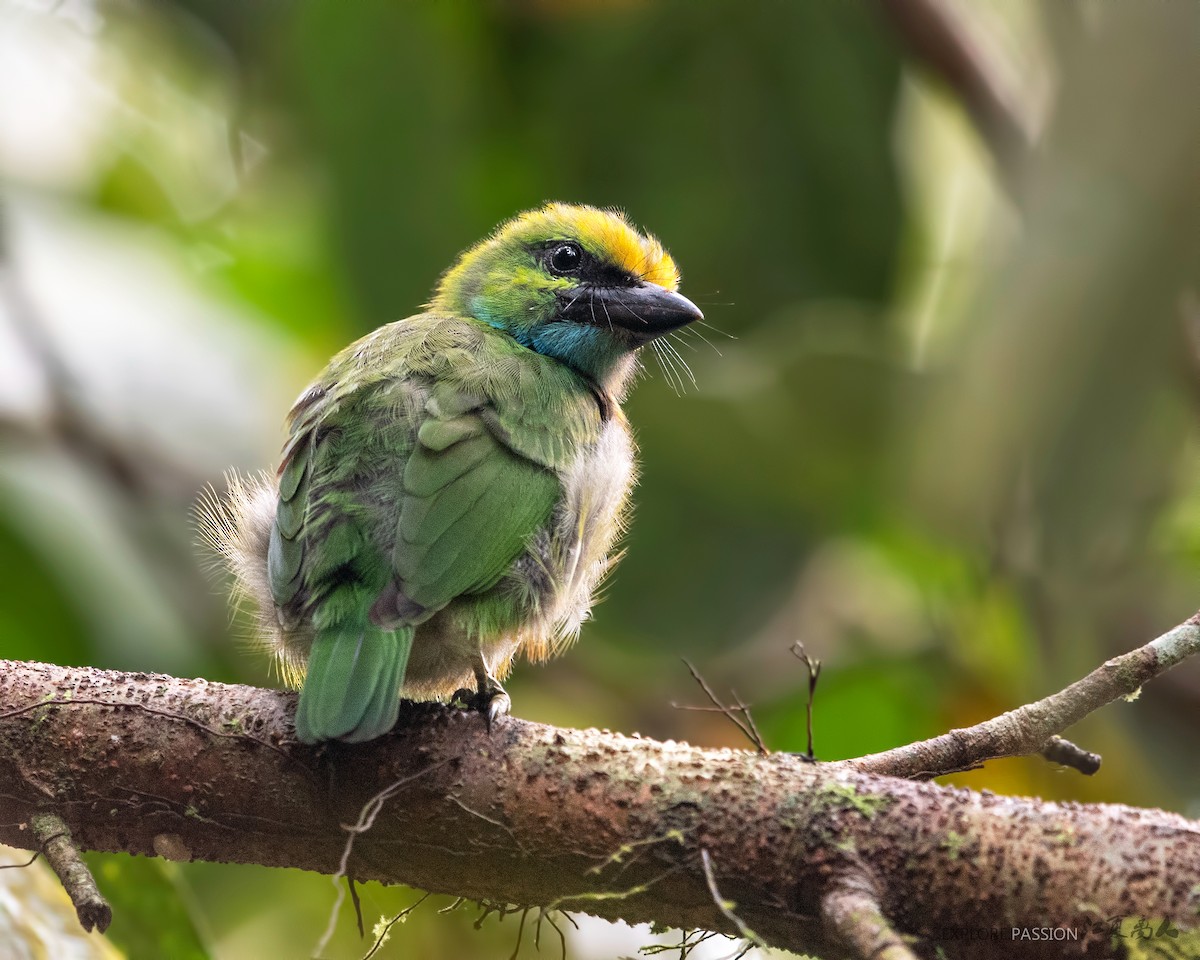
566, 258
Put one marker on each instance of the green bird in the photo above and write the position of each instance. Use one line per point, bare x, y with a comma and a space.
453, 484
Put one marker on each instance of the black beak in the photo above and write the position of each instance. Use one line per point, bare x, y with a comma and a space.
645, 310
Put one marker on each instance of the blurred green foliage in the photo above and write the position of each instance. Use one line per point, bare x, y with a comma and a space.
150, 907
942, 433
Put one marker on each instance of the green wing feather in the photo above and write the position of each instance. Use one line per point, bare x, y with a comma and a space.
325, 565
469, 510
419, 464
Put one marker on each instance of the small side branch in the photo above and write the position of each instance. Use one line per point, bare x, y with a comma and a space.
54, 840
1035, 727
852, 913
1060, 750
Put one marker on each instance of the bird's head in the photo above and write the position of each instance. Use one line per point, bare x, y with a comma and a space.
574, 283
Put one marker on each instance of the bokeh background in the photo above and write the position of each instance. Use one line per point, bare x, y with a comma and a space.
942, 429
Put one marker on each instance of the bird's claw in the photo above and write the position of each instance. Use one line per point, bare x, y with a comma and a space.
497, 705
491, 700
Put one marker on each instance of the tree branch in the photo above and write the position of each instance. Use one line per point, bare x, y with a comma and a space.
1033, 727
579, 820
935, 37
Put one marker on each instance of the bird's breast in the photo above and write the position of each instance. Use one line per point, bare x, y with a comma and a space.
589, 519
567, 560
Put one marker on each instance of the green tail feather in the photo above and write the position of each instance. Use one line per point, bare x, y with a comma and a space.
351, 689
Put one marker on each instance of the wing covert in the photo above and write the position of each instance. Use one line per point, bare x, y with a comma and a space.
470, 506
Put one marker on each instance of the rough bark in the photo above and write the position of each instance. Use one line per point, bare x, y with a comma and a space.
578, 820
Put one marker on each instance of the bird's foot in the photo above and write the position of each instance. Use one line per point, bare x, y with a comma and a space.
491, 700
497, 704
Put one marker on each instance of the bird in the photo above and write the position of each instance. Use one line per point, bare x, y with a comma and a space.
453, 485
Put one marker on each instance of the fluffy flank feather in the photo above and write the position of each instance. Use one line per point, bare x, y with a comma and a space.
236, 530
593, 515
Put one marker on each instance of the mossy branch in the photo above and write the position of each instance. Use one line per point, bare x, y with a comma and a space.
820, 858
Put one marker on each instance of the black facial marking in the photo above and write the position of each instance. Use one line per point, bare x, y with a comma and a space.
567, 258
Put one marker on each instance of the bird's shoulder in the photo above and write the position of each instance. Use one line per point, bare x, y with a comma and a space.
437, 367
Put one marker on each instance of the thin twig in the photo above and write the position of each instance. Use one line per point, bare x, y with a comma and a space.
54, 837
636, 847
744, 710
726, 906
357, 905
634, 891
689, 940
1027, 730
520, 933
746, 725
458, 902
562, 937
366, 820
486, 819
381, 939
813, 667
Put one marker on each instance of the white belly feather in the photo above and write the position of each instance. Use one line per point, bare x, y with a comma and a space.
589, 519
